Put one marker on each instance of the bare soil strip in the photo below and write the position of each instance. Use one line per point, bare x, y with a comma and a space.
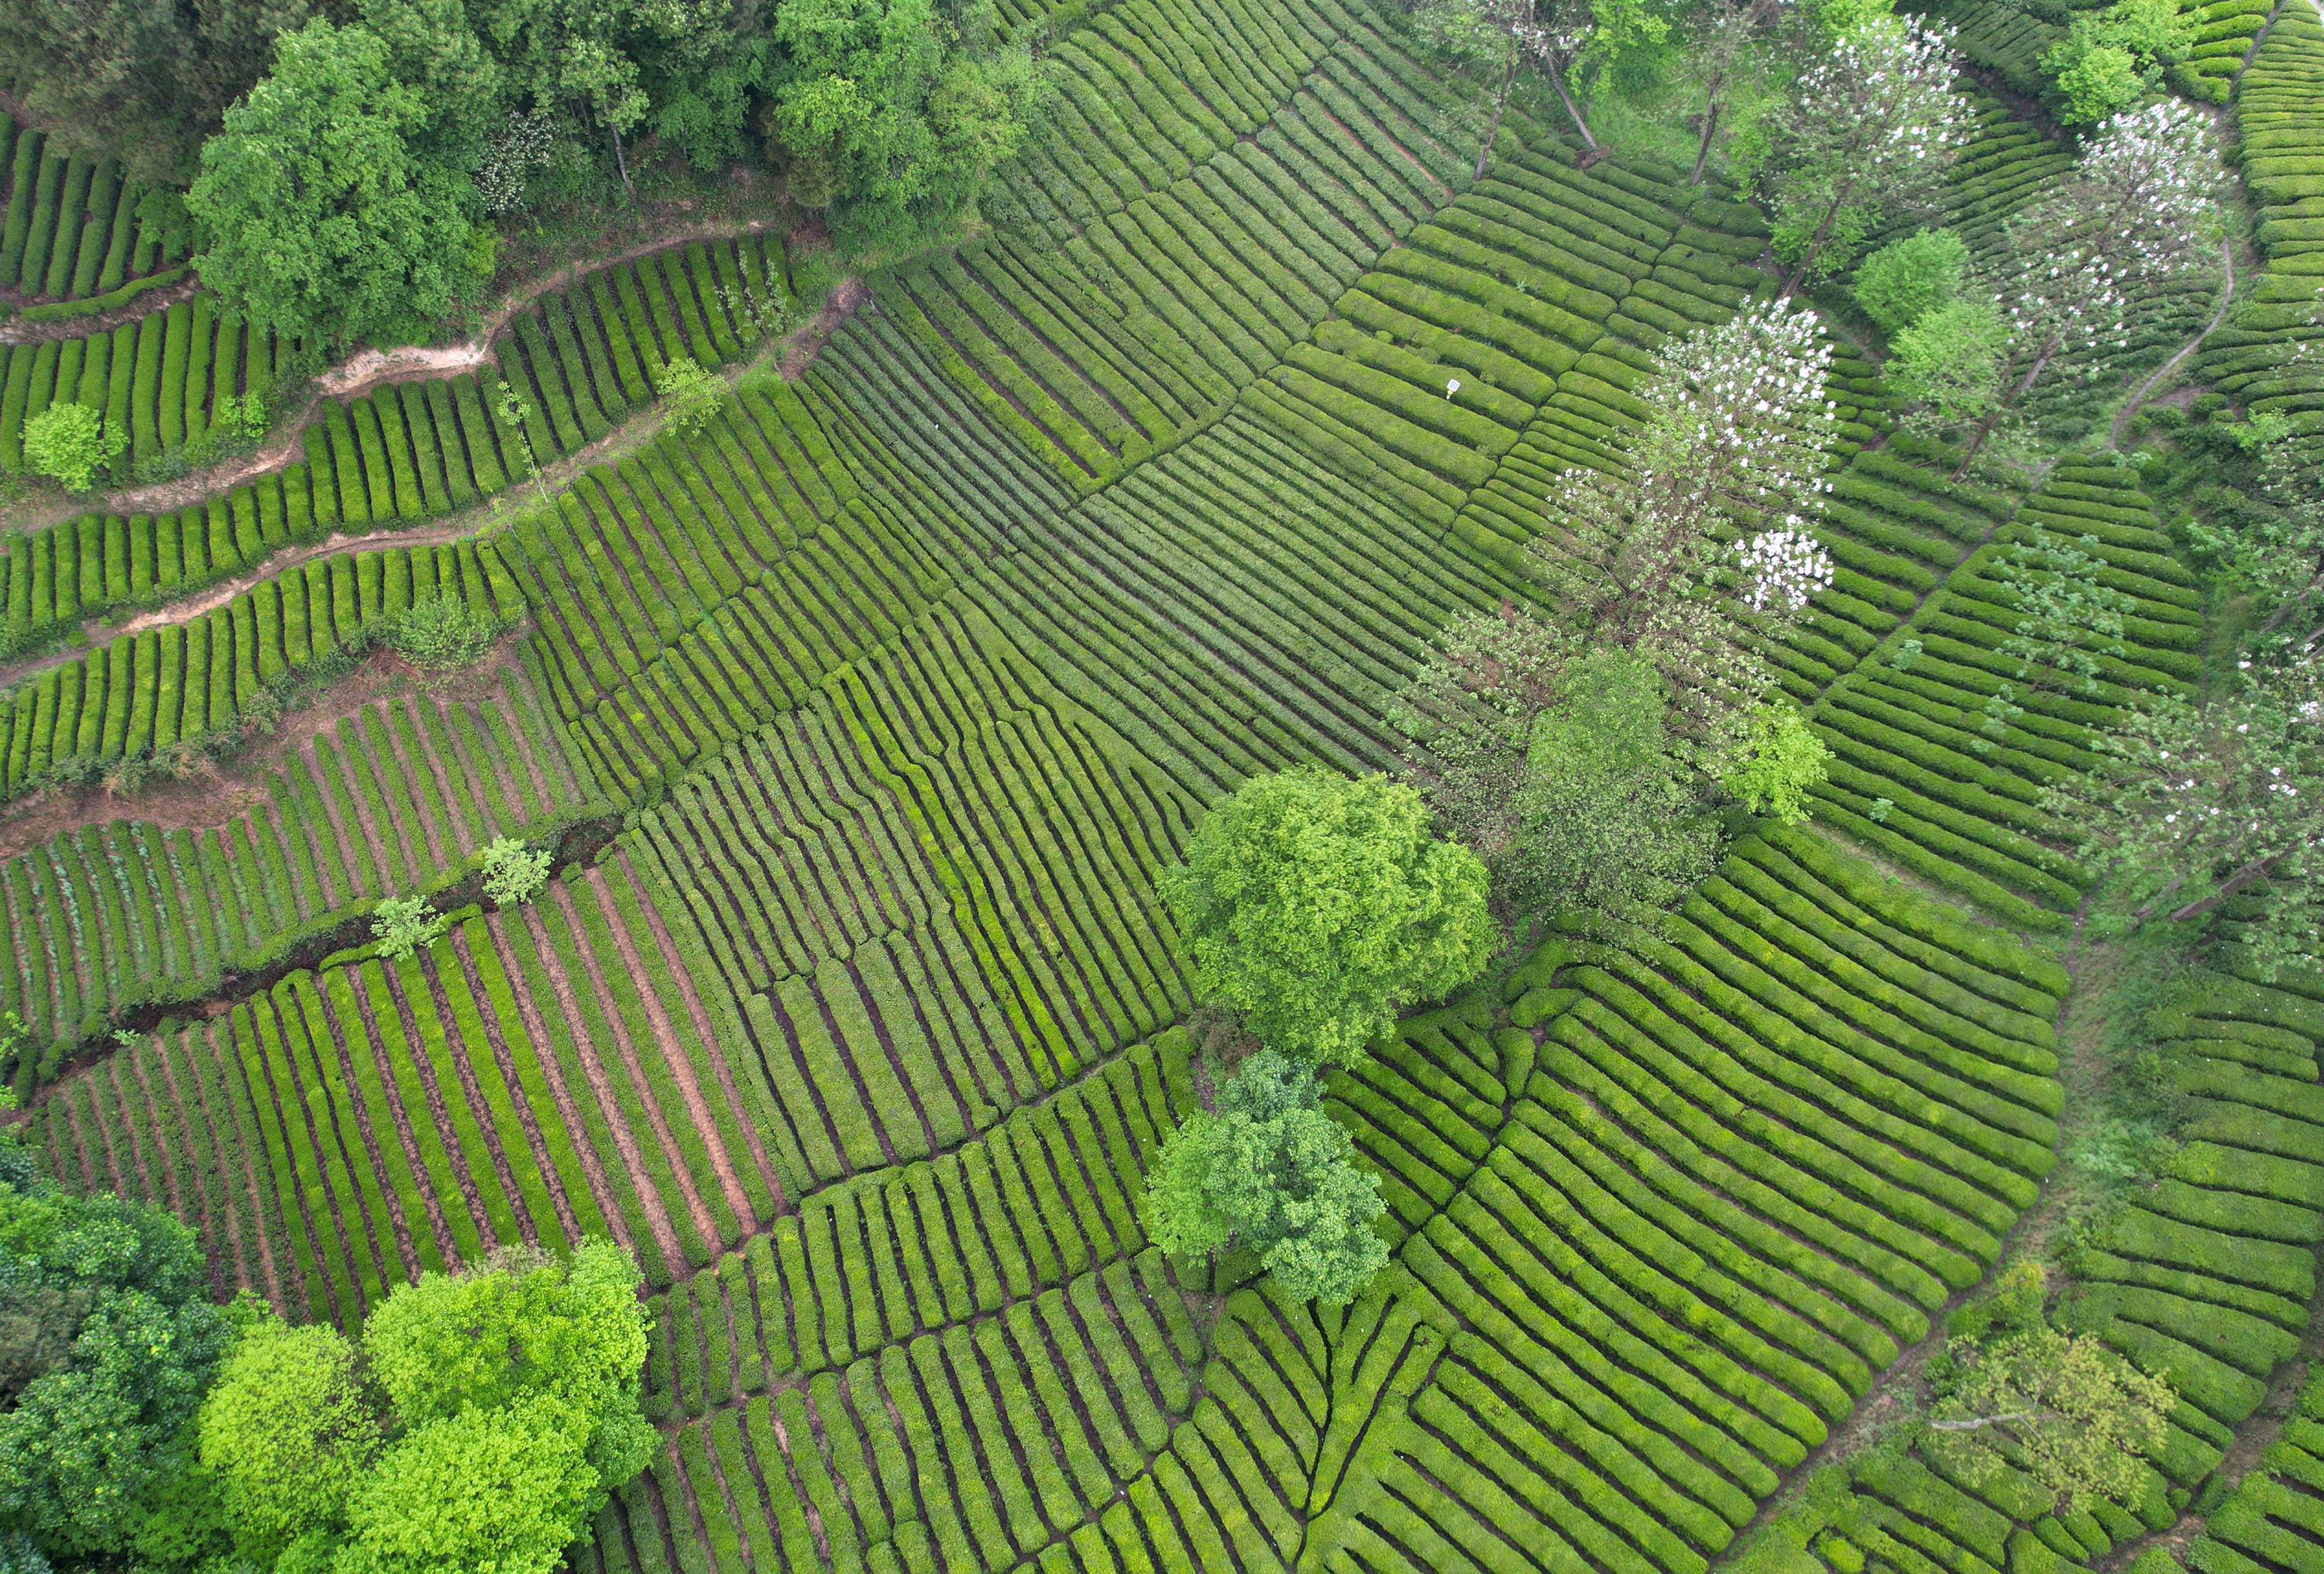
445, 1245
681, 1065
250, 1181
700, 1018
528, 1012
517, 1096
655, 1116
441, 1115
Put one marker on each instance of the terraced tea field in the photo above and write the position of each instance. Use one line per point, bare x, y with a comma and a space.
862, 721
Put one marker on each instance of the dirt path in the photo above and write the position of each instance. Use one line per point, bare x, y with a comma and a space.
17, 331
2227, 299
625, 1139
369, 369
217, 795
681, 1064
200, 603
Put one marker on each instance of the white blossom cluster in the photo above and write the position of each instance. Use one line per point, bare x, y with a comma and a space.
1782, 569
520, 146
1743, 414
2149, 175
1884, 95
2137, 209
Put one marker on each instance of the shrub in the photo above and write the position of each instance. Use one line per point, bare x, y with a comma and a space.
442, 633
71, 442
514, 873
1778, 762
401, 926
1904, 279
692, 394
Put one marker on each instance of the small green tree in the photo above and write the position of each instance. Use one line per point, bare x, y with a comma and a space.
441, 632
401, 926
1317, 905
1950, 364
1272, 1169
1606, 825
2109, 60
513, 872
691, 395
1906, 279
71, 442
1779, 761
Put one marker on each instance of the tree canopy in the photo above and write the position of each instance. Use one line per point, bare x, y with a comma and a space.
325, 210
107, 1339
1271, 1169
1317, 905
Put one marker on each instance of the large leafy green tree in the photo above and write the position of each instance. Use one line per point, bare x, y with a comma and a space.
904, 105
326, 208
1271, 1169
1316, 905
107, 1339
497, 1409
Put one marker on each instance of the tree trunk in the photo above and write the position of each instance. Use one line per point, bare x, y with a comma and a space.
1709, 125
1557, 80
620, 161
2294, 604
2008, 404
1816, 242
1493, 131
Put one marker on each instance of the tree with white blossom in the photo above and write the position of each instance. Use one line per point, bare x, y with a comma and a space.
1867, 131
1704, 543
2195, 799
2137, 212
1576, 745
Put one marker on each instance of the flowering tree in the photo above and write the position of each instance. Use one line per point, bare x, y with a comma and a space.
1706, 540
2137, 211
1870, 128
1563, 37
2204, 798
1575, 750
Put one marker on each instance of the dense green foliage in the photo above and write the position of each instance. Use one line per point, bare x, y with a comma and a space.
72, 443
1271, 1170
109, 1339
904, 680
323, 210
1318, 906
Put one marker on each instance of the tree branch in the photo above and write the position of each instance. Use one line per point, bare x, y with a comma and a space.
2254, 870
